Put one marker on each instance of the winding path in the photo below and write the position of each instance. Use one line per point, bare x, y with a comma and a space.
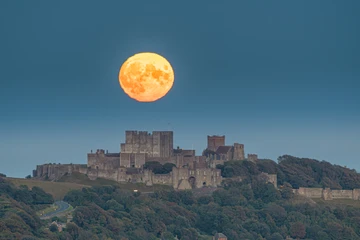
62, 207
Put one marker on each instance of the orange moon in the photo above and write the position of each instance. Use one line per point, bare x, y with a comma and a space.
146, 77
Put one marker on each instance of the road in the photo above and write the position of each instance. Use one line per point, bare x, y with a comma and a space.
61, 207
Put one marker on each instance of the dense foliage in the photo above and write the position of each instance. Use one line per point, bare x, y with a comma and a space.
240, 210
299, 172
251, 209
18, 219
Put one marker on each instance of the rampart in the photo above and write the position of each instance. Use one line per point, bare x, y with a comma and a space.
54, 172
190, 178
328, 194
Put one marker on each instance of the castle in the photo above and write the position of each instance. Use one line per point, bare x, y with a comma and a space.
189, 171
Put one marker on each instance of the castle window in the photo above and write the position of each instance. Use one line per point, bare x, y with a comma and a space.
205, 173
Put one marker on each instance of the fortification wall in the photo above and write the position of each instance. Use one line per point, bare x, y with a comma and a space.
136, 160
56, 171
356, 194
310, 192
328, 194
162, 179
342, 194
103, 161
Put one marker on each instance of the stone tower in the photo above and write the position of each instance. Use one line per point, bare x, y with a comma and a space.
214, 142
162, 143
239, 153
157, 144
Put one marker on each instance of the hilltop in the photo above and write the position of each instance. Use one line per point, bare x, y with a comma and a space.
248, 209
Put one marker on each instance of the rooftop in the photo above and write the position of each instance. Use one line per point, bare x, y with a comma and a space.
223, 149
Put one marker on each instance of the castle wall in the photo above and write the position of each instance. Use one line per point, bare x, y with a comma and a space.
208, 177
342, 194
103, 161
162, 179
310, 192
328, 194
356, 194
56, 171
125, 159
200, 177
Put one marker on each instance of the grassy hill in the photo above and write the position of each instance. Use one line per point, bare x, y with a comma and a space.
77, 181
82, 179
57, 189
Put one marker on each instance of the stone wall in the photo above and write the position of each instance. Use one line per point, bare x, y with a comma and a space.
136, 160
342, 194
102, 160
56, 171
310, 192
162, 179
328, 194
195, 178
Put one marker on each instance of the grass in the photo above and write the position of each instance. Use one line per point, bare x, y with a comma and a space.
57, 189
77, 181
84, 180
52, 208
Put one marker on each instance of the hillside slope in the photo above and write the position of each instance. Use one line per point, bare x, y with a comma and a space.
299, 172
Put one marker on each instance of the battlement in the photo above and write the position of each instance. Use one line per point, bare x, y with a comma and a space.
100, 151
238, 145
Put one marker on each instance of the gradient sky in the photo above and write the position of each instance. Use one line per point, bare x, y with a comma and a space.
282, 77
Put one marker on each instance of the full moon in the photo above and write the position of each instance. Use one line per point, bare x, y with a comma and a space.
146, 77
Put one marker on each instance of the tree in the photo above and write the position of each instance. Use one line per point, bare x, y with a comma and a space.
28, 176
53, 228
298, 230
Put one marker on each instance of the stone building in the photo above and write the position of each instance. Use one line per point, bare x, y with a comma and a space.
102, 160
191, 171
218, 153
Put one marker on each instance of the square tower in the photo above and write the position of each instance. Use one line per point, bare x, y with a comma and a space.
214, 142
239, 153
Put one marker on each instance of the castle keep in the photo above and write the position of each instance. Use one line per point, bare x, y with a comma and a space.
189, 171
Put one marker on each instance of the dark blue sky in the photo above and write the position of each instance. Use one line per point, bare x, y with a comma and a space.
282, 77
